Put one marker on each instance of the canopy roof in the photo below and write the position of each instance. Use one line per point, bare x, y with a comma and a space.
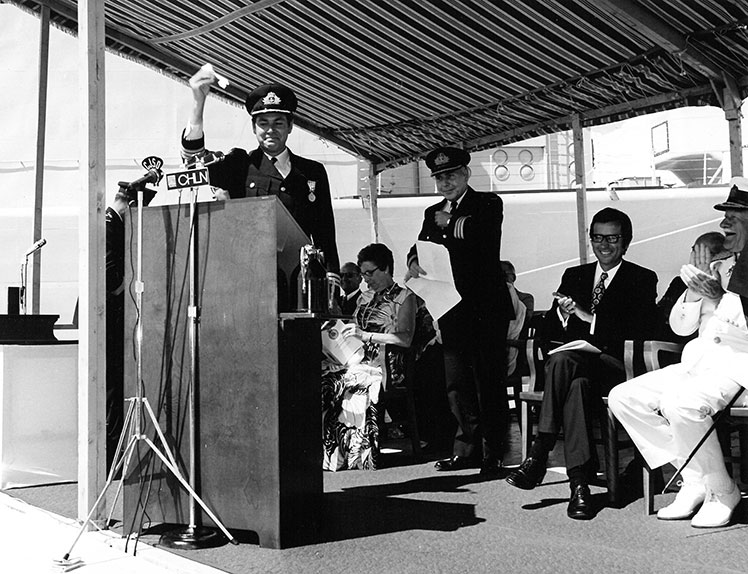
389, 80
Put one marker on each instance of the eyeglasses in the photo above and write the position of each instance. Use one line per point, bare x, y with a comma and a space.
369, 272
597, 238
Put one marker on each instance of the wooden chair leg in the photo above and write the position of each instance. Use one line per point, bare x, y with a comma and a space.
516, 390
648, 488
743, 441
610, 438
525, 429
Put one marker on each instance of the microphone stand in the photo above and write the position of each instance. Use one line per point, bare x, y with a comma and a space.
133, 427
22, 296
193, 536
24, 278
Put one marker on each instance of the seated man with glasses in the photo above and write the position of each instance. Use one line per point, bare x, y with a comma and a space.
603, 303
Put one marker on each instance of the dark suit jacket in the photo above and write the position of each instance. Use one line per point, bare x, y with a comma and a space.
115, 259
473, 239
348, 305
245, 174
626, 311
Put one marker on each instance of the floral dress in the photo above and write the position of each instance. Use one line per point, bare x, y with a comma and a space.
350, 394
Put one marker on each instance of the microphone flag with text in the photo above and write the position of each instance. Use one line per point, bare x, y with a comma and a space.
153, 164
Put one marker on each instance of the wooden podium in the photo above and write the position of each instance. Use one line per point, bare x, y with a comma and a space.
259, 452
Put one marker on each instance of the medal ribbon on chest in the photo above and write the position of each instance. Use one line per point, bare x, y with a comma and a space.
312, 186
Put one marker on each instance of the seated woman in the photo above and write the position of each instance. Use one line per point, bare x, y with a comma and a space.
384, 320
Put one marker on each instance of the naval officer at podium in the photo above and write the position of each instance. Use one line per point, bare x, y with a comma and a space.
271, 169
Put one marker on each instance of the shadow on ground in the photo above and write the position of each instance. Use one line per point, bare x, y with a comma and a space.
388, 509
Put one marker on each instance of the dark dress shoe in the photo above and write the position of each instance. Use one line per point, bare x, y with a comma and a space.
528, 475
580, 503
456, 462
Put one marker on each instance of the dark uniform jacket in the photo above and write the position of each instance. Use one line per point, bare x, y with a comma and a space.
473, 239
305, 192
115, 259
626, 311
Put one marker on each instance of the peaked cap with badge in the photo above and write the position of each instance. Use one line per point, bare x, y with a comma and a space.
271, 98
444, 159
304, 191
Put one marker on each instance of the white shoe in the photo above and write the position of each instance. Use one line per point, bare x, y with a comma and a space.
687, 501
717, 509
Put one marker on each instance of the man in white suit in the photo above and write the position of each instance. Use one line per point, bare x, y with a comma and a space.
667, 412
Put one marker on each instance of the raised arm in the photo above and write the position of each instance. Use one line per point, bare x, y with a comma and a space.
200, 85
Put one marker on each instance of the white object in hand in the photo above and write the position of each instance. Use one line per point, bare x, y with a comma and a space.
345, 350
223, 81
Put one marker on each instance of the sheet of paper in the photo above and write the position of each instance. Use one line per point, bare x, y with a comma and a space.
434, 260
580, 345
439, 296
437, 286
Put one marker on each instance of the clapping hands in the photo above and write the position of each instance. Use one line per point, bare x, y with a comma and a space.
697, 274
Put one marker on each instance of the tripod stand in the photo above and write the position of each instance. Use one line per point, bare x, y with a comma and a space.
139, 408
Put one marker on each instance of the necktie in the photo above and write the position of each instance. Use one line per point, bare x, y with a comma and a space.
599, 291
274, 161
452, 206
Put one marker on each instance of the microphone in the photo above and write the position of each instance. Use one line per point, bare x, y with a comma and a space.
212, 157
153, 165
204, 158
35, 247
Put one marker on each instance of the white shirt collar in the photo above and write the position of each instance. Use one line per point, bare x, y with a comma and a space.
448, 202
283, 162
611, 273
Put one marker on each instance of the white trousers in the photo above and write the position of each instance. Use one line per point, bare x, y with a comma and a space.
667, 412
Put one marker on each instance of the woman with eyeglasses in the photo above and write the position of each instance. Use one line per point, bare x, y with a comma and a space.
384, 321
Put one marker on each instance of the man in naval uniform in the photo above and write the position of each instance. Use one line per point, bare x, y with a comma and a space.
667, 412
301, 184
468, 224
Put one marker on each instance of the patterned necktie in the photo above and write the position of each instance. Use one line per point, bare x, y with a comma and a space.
599, 291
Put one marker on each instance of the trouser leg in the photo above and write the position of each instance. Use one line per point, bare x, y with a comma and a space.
689, 408
636, 405
489, 367
572, 398
463, 401
567, 404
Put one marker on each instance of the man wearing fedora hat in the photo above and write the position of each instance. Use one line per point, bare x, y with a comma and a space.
468, 224
301, 184
667, 412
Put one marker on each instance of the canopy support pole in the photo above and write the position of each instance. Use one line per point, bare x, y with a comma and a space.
734, 119
41, 126
580, 181
92, 257
374, 183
